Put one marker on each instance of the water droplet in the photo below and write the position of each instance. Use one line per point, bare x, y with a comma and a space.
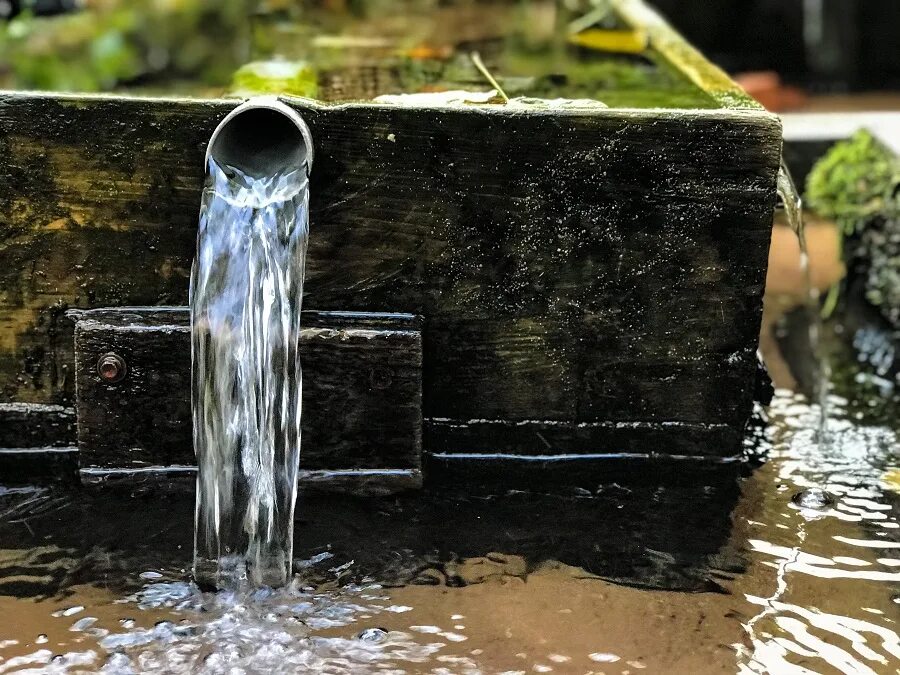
41, 639
813, 498
373, 635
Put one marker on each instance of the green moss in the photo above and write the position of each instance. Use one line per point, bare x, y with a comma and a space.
854, 182
529, 57
856, 185
195, 46
625, 82
295, 78
618, 82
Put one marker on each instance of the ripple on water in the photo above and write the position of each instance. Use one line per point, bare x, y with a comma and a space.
818, 591
828, 607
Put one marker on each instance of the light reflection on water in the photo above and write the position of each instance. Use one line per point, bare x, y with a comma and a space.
818, 594
830, 609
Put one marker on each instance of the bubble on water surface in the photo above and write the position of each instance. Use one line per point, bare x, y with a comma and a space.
374, 635
813, 498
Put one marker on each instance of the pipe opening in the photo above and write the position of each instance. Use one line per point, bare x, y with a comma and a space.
262, 139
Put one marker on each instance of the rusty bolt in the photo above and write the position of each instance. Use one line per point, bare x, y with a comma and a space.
111, 368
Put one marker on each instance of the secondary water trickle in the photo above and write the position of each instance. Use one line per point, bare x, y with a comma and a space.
246, 291
793, 211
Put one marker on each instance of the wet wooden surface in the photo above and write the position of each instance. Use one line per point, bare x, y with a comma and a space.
572, 266
32, 425
362, 390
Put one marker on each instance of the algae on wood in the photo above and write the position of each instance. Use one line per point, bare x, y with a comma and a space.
195, 46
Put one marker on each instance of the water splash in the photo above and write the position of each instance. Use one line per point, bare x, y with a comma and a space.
246, 288
793, 210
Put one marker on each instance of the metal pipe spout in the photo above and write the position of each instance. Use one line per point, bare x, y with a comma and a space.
262, 137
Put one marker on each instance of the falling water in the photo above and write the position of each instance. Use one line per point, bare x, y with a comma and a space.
246, 287
793, 210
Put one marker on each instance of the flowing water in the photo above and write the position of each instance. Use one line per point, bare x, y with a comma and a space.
792, 204
246, 288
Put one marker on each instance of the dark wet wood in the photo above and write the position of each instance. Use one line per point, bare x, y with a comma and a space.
535, 438
38, 465
679, 538
490, 474
579, 266
33, 425
362, 389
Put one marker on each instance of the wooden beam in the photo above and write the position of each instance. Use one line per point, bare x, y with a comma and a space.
574, 265
362, 390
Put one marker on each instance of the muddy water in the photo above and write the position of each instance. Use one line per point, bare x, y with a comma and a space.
793, 569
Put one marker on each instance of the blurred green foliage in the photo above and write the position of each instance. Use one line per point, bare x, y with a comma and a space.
111, 43
332, 49
854, 182
857, 184
275, 76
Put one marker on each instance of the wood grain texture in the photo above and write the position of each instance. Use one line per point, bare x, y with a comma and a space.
362, 390
574, 266
39, 465
34, 425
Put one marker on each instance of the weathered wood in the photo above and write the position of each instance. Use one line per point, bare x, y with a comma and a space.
362, 389
38, 465
37, 443
490, 473
32, 425
572, 266
535, 438
579, 268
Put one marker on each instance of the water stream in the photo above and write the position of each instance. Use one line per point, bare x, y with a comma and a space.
246, 287
792, 204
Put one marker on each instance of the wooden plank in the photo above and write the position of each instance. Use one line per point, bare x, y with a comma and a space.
362, 391
533, 438
489, 473
33, 425
573, 265
38, 465
356, 482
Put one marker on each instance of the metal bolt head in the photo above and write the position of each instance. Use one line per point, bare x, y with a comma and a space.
111, 368
380, 377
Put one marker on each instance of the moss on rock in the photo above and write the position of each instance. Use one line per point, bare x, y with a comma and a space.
857, 184
295, 78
